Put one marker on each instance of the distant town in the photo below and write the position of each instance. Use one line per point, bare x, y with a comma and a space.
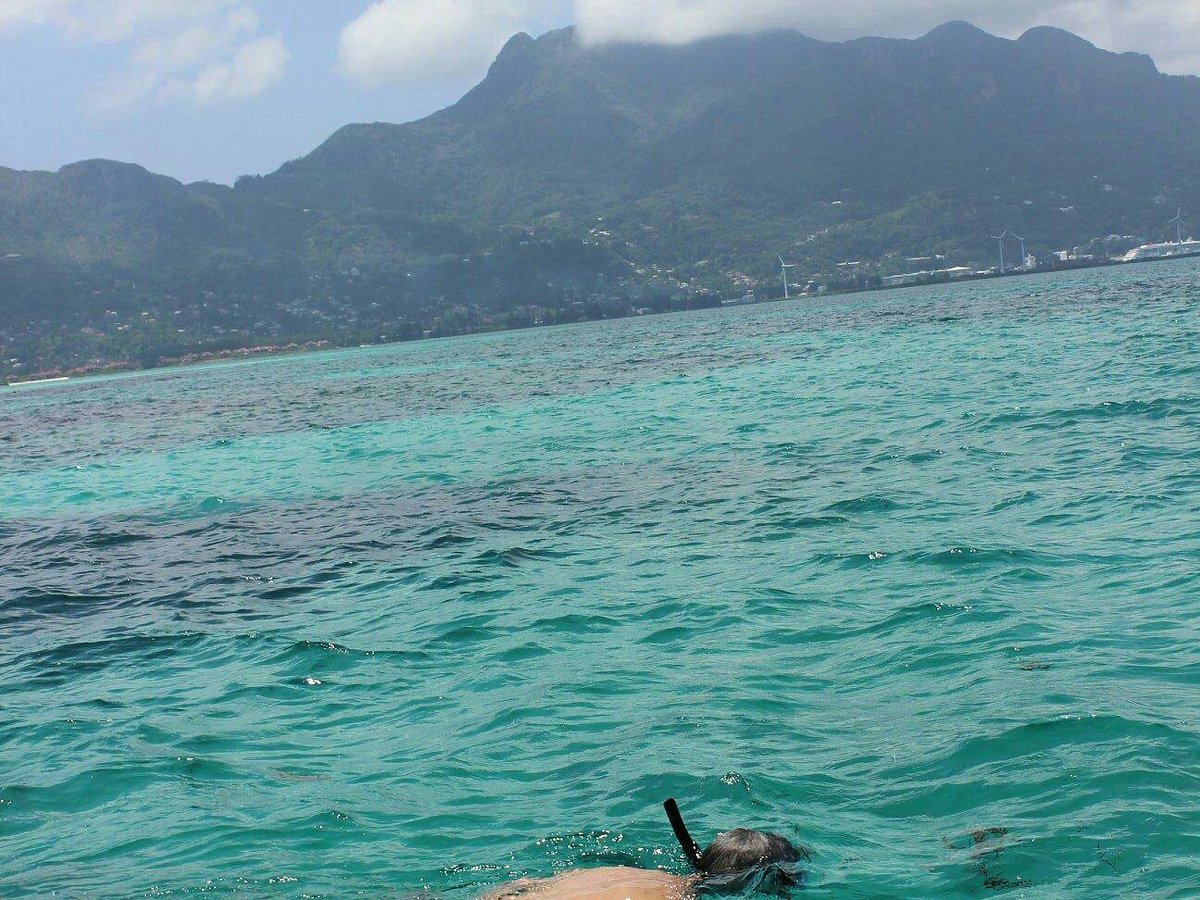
139, 330
858, 275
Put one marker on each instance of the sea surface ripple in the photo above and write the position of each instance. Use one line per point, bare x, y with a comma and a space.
910, 577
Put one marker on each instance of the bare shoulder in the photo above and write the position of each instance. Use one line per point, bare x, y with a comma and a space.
616, 883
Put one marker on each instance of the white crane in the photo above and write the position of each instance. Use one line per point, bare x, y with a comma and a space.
1022, 240
783, 268
1001, 238
1178, 223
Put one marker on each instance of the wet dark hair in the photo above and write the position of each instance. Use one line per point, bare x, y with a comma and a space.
742, 849
741, 861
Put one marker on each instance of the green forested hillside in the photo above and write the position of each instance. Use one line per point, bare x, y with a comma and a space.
578, 182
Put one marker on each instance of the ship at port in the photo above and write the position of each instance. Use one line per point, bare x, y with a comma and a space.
1166, 250
1190, 247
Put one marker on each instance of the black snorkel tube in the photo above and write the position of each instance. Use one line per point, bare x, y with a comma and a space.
690, 848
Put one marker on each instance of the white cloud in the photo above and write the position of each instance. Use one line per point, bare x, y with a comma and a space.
16, 14
255, 67
107, 20
1170, 32
118, 20
684, 21
432, 40
200, 51
413, 41
1167, 29
220, 60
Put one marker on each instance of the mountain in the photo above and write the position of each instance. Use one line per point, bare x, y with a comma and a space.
579, 181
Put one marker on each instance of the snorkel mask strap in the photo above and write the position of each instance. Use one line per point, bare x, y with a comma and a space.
690, 849
770, 880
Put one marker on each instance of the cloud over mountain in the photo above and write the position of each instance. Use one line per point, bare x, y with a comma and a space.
402, 41
1169, 30
413, 41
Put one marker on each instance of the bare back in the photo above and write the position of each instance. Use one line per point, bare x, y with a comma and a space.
599, 884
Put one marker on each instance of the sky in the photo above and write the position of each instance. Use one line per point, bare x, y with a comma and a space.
213, 89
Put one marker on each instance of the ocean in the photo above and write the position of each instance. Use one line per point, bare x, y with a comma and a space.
909, 577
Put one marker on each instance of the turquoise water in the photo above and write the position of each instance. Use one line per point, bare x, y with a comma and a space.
877, 572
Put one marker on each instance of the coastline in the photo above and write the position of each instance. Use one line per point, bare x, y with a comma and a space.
58, 376
185, 361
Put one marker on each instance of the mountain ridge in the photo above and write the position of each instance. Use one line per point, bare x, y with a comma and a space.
623, 171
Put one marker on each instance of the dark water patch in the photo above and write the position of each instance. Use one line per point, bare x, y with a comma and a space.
397, 577
458, 581
863, 505
522, 494
451, 539
1156, 409
286, 592
925, 456
37, 603
914, 614
771, 503
804, 523
77, 658
966, 557
984, 453
191, 505
1025, 575
107, 539
763, 536
515, 557
523, 653
201, 769
1154, 502
1053, 520
484, 597
90, 789
576, 623
1068, 731
332, 575
675, 635
104, 703
775, 601
337, 656
463, 636
792, 451
749, 428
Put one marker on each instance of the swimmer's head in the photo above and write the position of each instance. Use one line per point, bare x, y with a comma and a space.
741, 861
742, 849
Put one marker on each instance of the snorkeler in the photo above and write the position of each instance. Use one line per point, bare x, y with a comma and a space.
740, 861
